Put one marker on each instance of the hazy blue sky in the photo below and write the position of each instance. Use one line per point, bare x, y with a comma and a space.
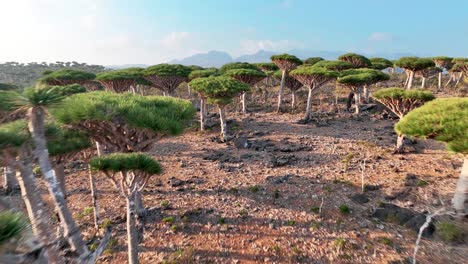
153, 31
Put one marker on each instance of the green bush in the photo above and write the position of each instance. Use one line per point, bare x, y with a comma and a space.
449, 232
126, 162
11, 225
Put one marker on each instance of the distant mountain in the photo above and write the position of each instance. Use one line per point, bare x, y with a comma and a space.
260, 56
123, 66
210, 59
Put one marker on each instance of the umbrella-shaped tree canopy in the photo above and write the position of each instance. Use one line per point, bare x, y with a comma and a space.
67, 76
380, 63
357, 60
220, 90
167, 77
312, 60
247, 76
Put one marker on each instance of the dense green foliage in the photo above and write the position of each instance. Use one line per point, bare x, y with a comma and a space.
195, 67
443, 61
68, 74
312, 60
380, 63
357, 60
312, 70
334, 65
400, 93
236, 66
59, 140
443, 119
167, 70
245, 72
11, 225
49, 95
8, 87
219, 90
362, 76
126, 162
165, 115
63, 140
203, 73
13, 134
124, 74
9, 100
414, 63
286, 57
267, 66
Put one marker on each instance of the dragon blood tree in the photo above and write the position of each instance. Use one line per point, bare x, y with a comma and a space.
286, 63
14, 142
312, 60
203, 107
292, 84
315, 76
460, 66
67, 77
247, 76
426, 74
354, 79
411, 65
269, 69
358, 61
220, 91
380, 63
167, 77
36, 101
445, 120
119, 81
401, 102
130, 171
442, 62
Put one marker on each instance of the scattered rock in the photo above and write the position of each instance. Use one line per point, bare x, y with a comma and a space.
398, 215
359, 198
279, 179
174, 182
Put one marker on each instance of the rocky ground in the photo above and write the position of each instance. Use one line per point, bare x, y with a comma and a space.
284, 192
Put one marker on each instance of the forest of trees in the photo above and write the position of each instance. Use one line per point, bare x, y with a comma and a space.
114, 118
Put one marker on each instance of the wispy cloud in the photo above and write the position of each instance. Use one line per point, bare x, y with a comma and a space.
252, 46
381, 36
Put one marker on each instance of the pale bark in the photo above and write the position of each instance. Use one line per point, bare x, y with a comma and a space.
400, 144
357, 109
94, 199
131, 231
202, 114
423, 84
281, 91
9, 181
222, 120
410, 81
459, 196
293, 100
439, 83
244, 103
366, 94
60, 172
308, 112
37, 211
139, 205
71, 232
189, 90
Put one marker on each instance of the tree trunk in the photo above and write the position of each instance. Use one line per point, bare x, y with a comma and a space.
366, 94
9, 180
423, 84
139, 205
99, 149
60, 172
222, 120
131, 230
458, 79
92, 186
71, 232
357, 109
189, 91
37, 211
280, 94
349, 101
244, 107
400, 144
308, 113
410, 81
459, 196
439, 83
202, 114
293, 100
